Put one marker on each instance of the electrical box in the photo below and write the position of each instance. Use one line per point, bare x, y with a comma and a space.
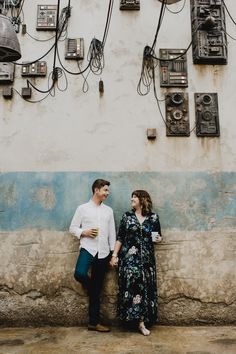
209, 43
46, 17
129, 4
36, 69
7, 73
173, 72
207, 115
74, 48
26, 92
177, 114
151, 133
7, 92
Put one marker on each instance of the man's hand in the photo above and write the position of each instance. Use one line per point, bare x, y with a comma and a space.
90, 233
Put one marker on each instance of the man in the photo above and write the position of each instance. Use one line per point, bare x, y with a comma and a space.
93, 223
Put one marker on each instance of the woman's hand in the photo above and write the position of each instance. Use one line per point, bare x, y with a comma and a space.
114, 261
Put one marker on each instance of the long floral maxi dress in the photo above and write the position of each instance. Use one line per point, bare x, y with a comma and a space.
137, 296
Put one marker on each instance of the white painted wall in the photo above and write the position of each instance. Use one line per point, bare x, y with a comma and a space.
86, 132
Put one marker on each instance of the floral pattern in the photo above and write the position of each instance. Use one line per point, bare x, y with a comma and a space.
137, 297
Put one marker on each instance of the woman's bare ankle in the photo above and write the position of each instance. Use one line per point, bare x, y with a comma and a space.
143, 329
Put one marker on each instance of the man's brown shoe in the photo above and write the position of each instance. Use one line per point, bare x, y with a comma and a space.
98, 328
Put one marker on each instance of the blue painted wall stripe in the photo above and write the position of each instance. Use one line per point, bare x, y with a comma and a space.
184, 200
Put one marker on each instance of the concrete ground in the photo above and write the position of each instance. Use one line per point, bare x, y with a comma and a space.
78, 340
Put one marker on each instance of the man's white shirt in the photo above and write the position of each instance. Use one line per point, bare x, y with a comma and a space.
88, 216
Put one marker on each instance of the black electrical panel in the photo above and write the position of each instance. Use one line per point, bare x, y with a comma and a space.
7, 73
177, 114
46, 17
173, 72
34, 70
74, 48
207, 115
129, 4
208, 32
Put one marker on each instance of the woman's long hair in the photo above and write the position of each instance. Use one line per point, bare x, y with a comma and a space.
144, 200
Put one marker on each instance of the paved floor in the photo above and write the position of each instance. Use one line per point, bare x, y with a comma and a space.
78, 340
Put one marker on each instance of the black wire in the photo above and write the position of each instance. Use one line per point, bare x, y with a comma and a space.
71, 72
96, 56
179, 56
30, 101
158, 101
161, 16
108, 21
40, 40
66, 82
227, 34
146, 72
21, 8
85, 86
226, 8
55, 70
49, 50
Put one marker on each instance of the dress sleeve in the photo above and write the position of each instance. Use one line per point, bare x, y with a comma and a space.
156, 224
122, 229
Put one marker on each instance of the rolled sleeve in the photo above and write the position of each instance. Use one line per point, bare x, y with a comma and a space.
75, 226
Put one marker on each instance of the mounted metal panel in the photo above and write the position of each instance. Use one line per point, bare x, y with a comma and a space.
7, 93
74, 48
207, 115
26, 92
177, 114
7, 73
208, 32
129, 4
173, 73
36, 69
46, 17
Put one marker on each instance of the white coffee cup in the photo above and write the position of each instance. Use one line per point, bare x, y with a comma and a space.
155, 236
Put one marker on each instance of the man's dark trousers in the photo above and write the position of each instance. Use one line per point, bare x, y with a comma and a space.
93, 283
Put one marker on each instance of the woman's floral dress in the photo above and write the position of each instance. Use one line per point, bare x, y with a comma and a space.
137, 297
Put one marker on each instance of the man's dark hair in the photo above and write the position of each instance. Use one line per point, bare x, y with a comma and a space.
99, 183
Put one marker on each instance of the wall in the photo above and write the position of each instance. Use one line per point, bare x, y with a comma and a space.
53, 150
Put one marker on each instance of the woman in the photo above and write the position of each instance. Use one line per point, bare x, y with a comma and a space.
137, 297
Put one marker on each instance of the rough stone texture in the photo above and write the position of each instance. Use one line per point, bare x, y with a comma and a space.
196, 281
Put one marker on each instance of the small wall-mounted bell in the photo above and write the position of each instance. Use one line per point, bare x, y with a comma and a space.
9, 44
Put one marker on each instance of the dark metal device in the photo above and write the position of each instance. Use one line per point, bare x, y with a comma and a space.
207, 116
36, 69
173, 73
208, 32
7, 73
46, 17
74, 48
129, 4
177, 114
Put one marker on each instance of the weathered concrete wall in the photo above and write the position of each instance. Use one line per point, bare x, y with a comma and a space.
196, 278
53, 150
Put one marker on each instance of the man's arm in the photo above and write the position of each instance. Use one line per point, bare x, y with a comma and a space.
76, 226
112, 232
76, 223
